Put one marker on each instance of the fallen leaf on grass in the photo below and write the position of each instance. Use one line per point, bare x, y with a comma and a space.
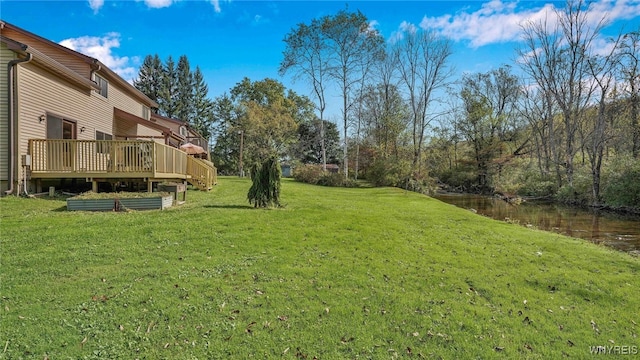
345, 340
282, 318
249, 326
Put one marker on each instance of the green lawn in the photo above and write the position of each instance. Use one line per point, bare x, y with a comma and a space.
336, 274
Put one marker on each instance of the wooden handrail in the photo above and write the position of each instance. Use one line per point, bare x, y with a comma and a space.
203, 174
105, 156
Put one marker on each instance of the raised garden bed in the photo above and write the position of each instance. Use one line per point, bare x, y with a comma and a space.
119, 201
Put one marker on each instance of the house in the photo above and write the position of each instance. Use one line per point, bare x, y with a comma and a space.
187, 133
66, 118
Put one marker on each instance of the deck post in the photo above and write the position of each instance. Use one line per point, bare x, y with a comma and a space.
94, 186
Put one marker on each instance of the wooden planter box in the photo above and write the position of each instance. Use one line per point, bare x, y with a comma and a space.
120, 204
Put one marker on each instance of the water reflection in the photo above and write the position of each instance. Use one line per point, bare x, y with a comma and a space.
618, 231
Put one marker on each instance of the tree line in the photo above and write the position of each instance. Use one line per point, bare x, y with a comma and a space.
565, 124
179, 92
561, 121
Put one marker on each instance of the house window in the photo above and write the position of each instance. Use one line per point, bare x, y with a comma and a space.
145, 112
103, 84
183, 131
59, 128
101, 147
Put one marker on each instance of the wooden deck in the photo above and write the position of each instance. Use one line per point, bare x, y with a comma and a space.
112, 160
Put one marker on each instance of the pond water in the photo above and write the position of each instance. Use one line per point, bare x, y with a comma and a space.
621, 232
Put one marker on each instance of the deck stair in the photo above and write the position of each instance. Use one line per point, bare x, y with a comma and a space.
202, 173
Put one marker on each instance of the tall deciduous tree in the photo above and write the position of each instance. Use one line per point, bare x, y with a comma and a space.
489, 100
264, 115
351, 44
556, 55
387, 117
629, 68
306, 55
422, 58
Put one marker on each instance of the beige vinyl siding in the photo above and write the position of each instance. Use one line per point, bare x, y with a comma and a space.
6, 55
39, 93
175, 127
121, 100
143, 130
77, 64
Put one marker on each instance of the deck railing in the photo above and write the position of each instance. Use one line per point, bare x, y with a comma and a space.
80, 157
203, 174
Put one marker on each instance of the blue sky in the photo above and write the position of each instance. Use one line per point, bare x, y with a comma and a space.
233, 39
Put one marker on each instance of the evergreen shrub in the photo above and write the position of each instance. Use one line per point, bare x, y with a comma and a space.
265, 189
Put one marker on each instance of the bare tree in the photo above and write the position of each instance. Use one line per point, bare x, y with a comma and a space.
422, 60
537, 108
602, 70
306, 55
629, 68
557, 56
350, 42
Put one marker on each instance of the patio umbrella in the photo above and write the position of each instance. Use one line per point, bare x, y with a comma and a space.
192, 149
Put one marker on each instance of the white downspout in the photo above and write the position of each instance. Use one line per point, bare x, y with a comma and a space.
13, 120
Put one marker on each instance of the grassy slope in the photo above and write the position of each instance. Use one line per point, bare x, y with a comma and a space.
338, 273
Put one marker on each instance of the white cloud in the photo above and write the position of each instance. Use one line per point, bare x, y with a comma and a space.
500, 21
158, 4
405, 27
613, 10
95, 5
216, 5
102, 48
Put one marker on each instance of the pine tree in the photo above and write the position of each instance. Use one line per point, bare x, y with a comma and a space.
202, 117
150, 77
184, 90
167, 100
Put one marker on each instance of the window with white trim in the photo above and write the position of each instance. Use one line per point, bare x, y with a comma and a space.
145, 112
103, 84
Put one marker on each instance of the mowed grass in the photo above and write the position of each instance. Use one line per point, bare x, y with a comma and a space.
336, 274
